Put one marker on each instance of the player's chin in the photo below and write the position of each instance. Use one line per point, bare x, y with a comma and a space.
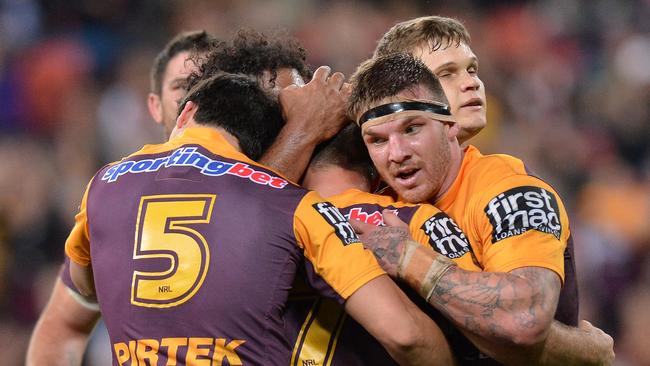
415, 194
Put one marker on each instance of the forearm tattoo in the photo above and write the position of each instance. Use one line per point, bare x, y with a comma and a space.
484, 303
387, 243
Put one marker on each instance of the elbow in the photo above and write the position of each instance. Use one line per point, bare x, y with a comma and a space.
527, 338
404, 340
528, 333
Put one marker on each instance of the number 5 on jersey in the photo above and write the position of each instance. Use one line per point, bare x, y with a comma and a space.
163, 232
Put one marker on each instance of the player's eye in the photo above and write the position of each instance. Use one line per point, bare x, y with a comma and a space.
413, 128
379, 141
375, 141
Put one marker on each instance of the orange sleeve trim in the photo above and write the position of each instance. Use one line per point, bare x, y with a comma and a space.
360, 281
77, 245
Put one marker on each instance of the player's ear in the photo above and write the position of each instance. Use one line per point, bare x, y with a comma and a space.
454, 129
184, 119
155, 107
187, 115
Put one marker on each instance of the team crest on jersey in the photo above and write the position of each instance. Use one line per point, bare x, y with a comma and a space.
334, 217
520, 209
445, 236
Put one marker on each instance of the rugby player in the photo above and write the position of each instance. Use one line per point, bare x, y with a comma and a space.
68, 319
515, 223
342, 172
191, 247
330, 180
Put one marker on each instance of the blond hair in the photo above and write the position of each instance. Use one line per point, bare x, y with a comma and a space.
435, 31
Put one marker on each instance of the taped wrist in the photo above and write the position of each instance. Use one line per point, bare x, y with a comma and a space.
438, 268
405, 259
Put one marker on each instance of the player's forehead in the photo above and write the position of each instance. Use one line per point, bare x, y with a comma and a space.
452, 53
179, 66
396, 123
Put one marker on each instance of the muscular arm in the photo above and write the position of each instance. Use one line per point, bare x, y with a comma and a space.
62, 331
507, 315
314, 113
408, 335
514, 308
290, 153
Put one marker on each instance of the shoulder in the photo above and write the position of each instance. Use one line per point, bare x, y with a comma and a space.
492, 167
494, 174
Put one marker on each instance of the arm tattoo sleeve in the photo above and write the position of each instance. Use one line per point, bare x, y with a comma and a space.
498, 305
387, 243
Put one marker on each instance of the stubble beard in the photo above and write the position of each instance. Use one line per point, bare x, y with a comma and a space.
437, 169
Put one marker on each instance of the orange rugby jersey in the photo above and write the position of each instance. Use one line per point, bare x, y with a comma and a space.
324, 335
511, 218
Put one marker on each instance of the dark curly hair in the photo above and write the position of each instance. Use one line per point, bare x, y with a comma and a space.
238, 104
194, 42
251, 53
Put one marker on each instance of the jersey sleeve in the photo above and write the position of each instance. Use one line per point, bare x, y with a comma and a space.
332, 249
66, 279
521, 222
431, 227
77, 246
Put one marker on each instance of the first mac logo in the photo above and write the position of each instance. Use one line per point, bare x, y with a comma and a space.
520, 209
334, 217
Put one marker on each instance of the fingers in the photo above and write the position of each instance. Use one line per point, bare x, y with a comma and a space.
390, 219
361, 227
346, 89
336, 80
584, 324
321, 74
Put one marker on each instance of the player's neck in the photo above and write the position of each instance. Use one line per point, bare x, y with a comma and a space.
456, 160
332, 180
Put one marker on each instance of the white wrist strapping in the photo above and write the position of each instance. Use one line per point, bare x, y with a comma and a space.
407, 254
438, 268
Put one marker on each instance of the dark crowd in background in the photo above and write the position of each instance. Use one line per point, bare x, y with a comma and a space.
568, 86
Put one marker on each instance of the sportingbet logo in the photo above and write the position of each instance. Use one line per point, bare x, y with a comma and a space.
372, 218
521, 209
342, 227
445, 236
188, 156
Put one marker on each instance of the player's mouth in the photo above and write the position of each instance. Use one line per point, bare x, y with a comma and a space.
407, 177
474, 103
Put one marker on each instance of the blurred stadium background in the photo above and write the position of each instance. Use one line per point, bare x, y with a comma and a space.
568, 87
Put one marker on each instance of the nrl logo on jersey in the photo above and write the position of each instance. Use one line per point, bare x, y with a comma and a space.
334, 217
520, 209
445, 236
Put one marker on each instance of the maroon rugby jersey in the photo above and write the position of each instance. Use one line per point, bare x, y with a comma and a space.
194, 249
